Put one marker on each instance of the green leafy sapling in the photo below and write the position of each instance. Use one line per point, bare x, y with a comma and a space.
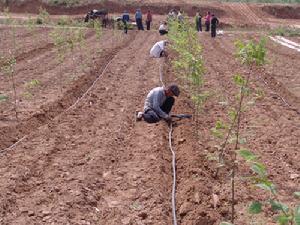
3, 98
8, 62
188, 62
252, 55
7, 68
43, 16
285, 214
98, 28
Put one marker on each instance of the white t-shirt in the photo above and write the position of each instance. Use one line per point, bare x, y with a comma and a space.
157, 48
162, 27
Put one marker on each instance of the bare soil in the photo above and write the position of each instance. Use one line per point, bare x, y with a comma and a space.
284, 12
59, 84
93, 164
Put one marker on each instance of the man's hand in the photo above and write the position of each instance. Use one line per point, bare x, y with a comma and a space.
168, 120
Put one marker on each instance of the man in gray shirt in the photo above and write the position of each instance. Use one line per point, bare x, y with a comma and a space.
158, 104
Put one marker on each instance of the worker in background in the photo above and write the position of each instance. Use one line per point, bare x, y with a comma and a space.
214, 23
139, 19
148, 20
180, 16
163, 28
125, 19
158, 104
198, 21
207, 21
159, 49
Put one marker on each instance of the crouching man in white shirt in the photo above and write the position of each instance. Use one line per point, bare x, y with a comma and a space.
158, 49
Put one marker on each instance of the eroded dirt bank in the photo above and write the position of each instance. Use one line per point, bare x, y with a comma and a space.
32, 6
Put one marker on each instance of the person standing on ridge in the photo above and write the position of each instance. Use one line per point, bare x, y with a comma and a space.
125, 19
180, 16
214, 24
139, 19
148, 20
198, 21
158, 104
207, 21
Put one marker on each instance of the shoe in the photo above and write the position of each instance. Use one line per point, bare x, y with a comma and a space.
138, 116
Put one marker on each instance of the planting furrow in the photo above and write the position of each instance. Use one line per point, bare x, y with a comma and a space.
96, 164
43, 67
40, 112
281, 81
18, 44
264, 126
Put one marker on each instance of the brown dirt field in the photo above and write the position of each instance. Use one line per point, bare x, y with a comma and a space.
282, 75
284, 12
269, 126
109, 193
94, 164
58, 87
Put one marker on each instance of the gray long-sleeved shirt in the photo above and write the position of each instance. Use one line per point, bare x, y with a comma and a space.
155, 99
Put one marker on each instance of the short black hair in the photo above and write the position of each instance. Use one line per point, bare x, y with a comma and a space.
175, 89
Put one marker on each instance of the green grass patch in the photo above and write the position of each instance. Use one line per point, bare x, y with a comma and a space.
286, 32
68, 3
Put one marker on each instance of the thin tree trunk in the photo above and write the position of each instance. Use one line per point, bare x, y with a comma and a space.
15, 95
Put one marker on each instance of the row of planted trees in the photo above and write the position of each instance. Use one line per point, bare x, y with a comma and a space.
67, 41
188, 62
232, 148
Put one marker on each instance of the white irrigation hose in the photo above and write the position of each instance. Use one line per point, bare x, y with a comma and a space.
288, 41
72, 106
282, 99
90, 88
174, 176
12, 146
284, 43
173, 153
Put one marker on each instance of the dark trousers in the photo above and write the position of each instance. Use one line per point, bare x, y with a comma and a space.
148, 23
104, 23
199, 26
207, 24
213, 31
163, 32
151, 117
125, 26
139, 24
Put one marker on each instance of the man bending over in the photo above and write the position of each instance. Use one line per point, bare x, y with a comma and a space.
159, 49
158, 104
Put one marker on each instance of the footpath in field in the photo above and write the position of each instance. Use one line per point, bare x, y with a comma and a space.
95, 165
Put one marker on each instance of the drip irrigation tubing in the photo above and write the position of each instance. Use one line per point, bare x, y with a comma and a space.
282, 99
174, 176
172, 151
65, 111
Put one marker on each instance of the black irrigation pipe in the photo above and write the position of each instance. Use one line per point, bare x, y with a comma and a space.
67, 110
